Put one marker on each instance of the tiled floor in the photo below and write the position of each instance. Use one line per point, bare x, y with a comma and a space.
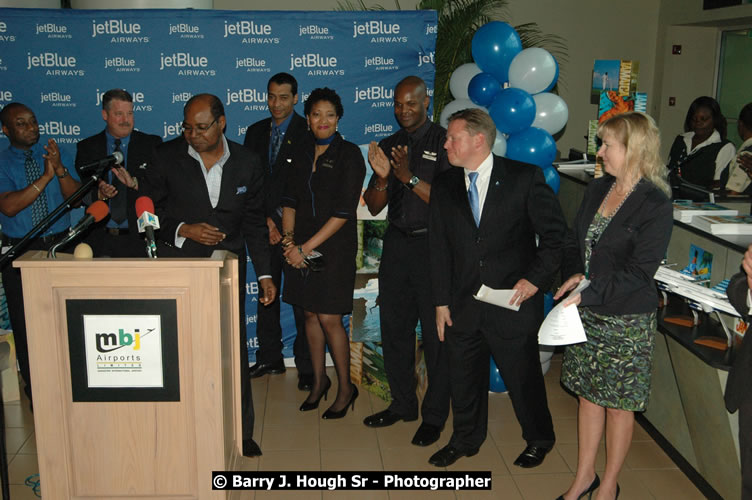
303, 441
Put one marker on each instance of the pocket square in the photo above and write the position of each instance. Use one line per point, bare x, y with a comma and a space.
241, 190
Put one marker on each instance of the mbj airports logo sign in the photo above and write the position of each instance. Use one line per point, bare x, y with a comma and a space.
123, 351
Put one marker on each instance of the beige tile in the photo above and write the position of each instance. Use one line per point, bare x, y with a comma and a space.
248, 464
22, 492
348, 436
21, 467
566, 430
500, 407
552, 464
19, 416
287, 413
273, 460
408, 458
360, 495
568, 451
289, 437
401, 434
648, 455
30, 446
506, 431
562, 407
640, 434
665, 484
15, 437
543, 486
487, 459
336, 460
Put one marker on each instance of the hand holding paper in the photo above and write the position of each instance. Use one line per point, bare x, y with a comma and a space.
563, 325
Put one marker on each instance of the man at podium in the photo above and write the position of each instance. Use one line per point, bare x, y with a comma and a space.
207, 191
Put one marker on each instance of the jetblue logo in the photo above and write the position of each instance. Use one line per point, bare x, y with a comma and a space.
53, 30
57, 99
119, 31
187, 64
380, 97
121, 64
245, 95
3, 36
316, 64
54, 64
171, 129
138, 100
380, 63
379, 31
181, 97
426, 58
6, 96
250, 32
379, 129
432, 29
59, 128
252, 65
185, 30
315, 32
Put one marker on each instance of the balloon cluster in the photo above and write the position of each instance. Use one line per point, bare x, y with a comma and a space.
513, 86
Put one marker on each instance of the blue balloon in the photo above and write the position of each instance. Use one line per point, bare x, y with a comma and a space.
494, 46
482, 89
512, 110
548, 302
552, 178
496, 384
556, 77
532, 145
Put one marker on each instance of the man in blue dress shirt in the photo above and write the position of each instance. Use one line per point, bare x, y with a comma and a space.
33, 182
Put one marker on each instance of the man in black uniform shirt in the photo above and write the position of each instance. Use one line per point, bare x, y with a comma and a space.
404, 165
274, 140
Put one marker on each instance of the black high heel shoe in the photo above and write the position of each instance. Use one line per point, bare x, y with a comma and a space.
331, 414
306, 406
589, 492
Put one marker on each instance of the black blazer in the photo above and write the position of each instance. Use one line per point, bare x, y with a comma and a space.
500, 252
177, 186
257, 139
737, 385
140, 149
628, 253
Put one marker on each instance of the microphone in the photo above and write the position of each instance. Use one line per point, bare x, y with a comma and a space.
95, 166
147, 223
95, 213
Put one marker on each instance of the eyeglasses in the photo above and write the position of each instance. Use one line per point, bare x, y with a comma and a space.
199, 129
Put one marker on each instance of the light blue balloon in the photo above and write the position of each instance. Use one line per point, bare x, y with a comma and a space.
552, 179
494, 46
532, 145
556, 77
495, 383
512, 110
482, 88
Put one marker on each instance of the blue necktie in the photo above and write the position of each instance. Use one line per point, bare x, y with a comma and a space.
276, 144
33, 172
472, 196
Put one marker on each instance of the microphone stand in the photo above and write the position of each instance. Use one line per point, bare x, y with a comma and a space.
51, 217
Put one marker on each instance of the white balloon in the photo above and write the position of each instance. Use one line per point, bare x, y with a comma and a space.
551, 112
532, 70
500, 144
460, 79
454, 106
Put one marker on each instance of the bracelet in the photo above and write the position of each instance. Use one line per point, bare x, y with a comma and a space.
65, 174
288, 234
380, 189
300, 251
35, 187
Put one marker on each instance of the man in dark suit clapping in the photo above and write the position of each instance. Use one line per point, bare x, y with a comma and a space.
274, 140
485, 216
208, 195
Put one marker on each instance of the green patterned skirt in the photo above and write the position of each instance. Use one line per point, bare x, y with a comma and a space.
612, 369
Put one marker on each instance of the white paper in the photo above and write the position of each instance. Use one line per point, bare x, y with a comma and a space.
563, 325
499, 298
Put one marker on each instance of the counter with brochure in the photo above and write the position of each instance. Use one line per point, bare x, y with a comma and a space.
686, 405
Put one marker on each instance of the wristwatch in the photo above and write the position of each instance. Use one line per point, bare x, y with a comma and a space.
413, 182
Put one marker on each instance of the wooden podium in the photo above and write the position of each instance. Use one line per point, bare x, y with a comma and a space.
98, 439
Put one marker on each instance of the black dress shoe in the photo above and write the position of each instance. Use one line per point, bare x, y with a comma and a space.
532, 457
250, 448
426, 434
385, 419
448, 455
305, 381
261, 369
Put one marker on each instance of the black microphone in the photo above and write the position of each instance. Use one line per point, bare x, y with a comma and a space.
93, 167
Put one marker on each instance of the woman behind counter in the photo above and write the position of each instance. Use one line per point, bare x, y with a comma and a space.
740, 170
618, 240
318, 215
702, 153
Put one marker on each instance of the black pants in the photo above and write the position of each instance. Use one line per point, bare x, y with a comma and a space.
519, 363
404, 298
269, 331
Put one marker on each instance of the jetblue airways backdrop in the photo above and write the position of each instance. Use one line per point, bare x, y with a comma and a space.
60, 62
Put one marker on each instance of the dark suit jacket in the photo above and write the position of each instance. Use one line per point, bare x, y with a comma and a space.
737, 385
140, 150
500, 252
257, 139
628, 253
177, 186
